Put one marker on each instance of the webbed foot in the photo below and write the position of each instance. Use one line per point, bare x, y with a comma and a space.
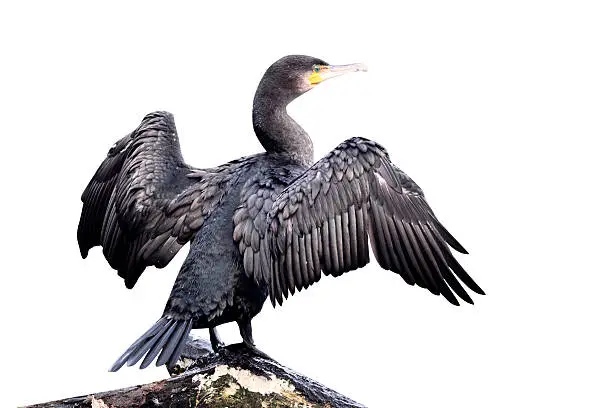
254, 350
245, 348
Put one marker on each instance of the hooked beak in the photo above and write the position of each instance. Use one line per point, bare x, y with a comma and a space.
321, 73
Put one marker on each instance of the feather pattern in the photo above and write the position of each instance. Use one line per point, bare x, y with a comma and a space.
144, 203
257, 196
322, 221
167, 336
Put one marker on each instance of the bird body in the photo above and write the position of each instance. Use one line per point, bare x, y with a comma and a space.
213, 280
263, 225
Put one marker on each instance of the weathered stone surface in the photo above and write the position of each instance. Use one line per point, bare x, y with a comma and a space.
233, 378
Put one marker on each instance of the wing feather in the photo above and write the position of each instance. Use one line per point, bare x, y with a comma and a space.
322, 220
144, 203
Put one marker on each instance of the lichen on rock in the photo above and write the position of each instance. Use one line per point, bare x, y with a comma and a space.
236, 387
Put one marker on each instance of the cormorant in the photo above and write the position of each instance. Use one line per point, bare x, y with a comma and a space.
261, 225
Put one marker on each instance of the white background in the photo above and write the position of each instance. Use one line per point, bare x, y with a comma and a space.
501, 111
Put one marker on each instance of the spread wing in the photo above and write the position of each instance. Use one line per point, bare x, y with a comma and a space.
144, 203
323, 219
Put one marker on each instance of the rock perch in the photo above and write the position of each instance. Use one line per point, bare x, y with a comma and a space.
235, 377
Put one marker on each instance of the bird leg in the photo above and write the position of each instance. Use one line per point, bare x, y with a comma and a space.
215, 341
246, 331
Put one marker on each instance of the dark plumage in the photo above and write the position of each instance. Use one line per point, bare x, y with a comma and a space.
264, 223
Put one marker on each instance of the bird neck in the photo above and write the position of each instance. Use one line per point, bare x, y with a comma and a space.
277, 131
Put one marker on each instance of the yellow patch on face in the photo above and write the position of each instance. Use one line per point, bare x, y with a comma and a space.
316, 76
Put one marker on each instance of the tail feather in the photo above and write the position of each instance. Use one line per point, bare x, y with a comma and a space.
170, 346
141, 340
158, 346
167, 334
140, 351
179, 348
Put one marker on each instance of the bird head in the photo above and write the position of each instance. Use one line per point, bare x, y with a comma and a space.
294, 75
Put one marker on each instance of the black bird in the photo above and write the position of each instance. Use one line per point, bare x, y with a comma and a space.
266, 224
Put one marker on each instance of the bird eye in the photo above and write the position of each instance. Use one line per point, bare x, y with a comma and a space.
316, 68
